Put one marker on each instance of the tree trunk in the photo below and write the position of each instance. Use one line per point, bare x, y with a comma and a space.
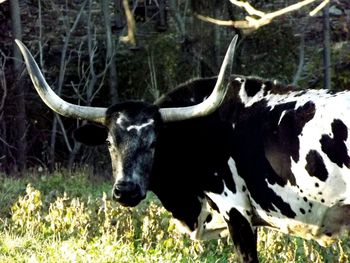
301, 60
216, 38
326, 48
110, 56
119, 14
162, 23
20, 119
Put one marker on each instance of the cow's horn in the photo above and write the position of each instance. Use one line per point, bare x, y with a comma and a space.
57, 104
213, 101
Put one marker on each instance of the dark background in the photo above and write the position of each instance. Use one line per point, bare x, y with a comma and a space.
83, 49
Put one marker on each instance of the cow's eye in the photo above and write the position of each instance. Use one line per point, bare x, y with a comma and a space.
153, 145
108, 143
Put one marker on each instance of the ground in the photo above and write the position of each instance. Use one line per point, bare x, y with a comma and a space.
70, 218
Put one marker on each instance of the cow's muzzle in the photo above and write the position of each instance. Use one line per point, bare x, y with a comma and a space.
127, 193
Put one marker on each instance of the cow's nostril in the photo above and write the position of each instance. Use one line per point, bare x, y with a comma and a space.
125, 189
127, 193
116, 192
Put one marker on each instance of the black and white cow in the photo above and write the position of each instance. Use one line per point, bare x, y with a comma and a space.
264, 154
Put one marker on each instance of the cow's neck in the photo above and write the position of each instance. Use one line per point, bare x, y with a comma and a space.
188, 155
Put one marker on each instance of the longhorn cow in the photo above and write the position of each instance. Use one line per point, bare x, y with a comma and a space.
249, 151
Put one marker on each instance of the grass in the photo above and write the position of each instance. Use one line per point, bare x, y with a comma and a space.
70, 218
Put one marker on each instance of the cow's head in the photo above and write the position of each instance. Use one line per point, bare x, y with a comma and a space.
130, 132
129, 129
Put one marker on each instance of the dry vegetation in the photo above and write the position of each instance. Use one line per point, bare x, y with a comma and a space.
70, 218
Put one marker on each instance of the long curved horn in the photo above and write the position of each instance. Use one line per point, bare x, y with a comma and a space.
53, 101
213, 101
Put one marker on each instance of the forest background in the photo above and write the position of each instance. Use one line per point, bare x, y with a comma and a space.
101, 52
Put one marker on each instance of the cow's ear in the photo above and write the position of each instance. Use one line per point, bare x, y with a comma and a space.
91, 134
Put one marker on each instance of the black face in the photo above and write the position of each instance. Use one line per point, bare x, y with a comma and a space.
131, 134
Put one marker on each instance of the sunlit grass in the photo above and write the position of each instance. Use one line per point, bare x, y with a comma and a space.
70, 218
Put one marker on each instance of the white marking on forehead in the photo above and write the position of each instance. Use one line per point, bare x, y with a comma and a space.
122, 119
141, 126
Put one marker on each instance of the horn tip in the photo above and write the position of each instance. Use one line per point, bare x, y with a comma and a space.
18, 42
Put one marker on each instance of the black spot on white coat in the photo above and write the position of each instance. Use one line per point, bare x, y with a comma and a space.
315, 165
335, 147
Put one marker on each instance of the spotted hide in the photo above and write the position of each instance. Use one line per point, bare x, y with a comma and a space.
272, 155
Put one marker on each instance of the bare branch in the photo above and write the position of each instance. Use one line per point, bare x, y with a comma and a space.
319, 7
130, 37
248, 8
7, 144
64, 133
3, 81
288, 9
179, 18
154, 89
237, 24
252, 23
